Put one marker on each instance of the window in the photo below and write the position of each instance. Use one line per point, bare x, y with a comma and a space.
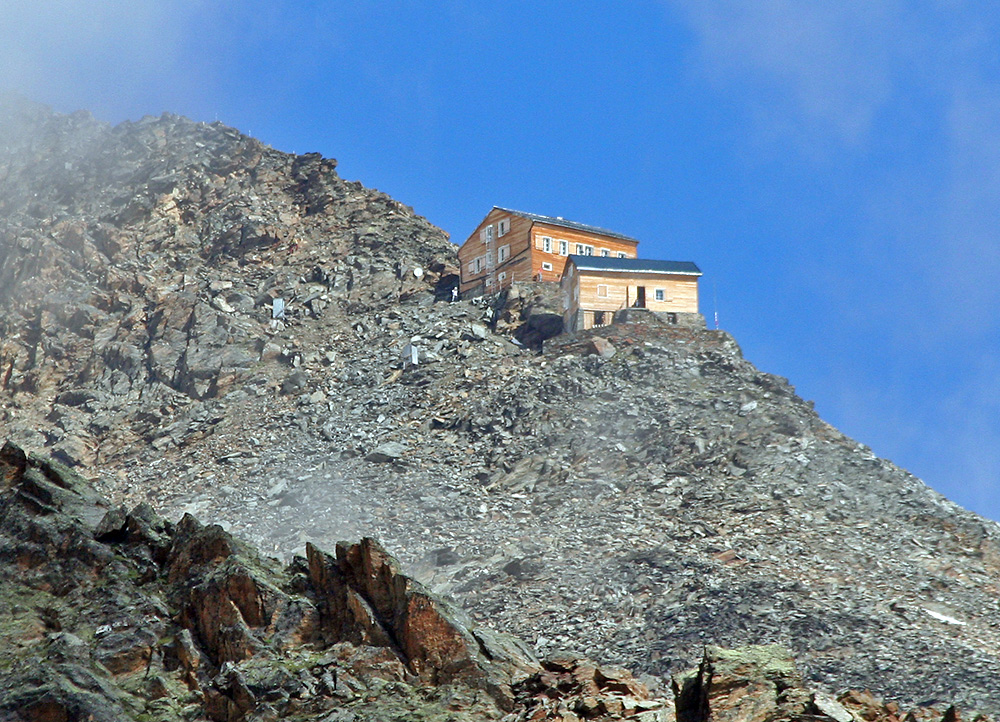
546, 244
599, 319
563, 248
503, 227
502, 276
502, 253
622, 254
489, 233
584, 250
605, 252
602, 290
479, 264
489, 282
672, 318
660, 294
546, 266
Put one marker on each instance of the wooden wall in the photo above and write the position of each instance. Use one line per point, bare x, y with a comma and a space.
680, 292
572, 236
517, 240
526, 252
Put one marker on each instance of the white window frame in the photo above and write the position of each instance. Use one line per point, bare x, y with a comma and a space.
660, 294
502, 253
582, 249
547, 244
479, 264
622, 254
489, 233
605, 252
503, 227
600, 287
563, 248
546, 266
501, 277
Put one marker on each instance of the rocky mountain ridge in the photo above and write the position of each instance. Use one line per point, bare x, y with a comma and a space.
638, 491
115, 239
120, 615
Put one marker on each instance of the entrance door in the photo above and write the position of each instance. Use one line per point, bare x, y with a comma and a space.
640, 297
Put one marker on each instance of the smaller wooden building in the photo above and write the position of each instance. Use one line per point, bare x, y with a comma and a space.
510, 246
595, 288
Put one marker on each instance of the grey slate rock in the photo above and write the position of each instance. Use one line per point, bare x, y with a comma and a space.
391, 451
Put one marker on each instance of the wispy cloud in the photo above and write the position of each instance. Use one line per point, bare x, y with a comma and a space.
53, 48
970, 245
808, 68
825, 78
908, 98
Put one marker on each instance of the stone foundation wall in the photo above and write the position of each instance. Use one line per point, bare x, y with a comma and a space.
691, 320
644, 315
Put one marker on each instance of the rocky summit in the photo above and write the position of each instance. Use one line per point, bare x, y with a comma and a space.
199, 324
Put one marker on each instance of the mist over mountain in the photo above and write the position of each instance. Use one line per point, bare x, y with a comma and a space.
637, 500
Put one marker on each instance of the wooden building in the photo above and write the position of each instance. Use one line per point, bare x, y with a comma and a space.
509, 246
594, 289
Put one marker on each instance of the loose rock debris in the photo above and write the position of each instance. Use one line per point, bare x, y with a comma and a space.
637, 504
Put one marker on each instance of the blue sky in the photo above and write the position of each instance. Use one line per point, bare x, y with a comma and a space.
833, 166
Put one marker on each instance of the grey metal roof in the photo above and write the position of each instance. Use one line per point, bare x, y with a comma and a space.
554, 221
635, 265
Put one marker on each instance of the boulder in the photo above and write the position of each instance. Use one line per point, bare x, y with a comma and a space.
748, 684
600, 346
387, 452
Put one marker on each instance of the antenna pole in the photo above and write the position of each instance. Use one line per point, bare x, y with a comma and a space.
715, 304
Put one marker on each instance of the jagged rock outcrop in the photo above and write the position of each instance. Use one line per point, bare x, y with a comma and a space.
751, 684
117, 615
531, 312
762, 684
